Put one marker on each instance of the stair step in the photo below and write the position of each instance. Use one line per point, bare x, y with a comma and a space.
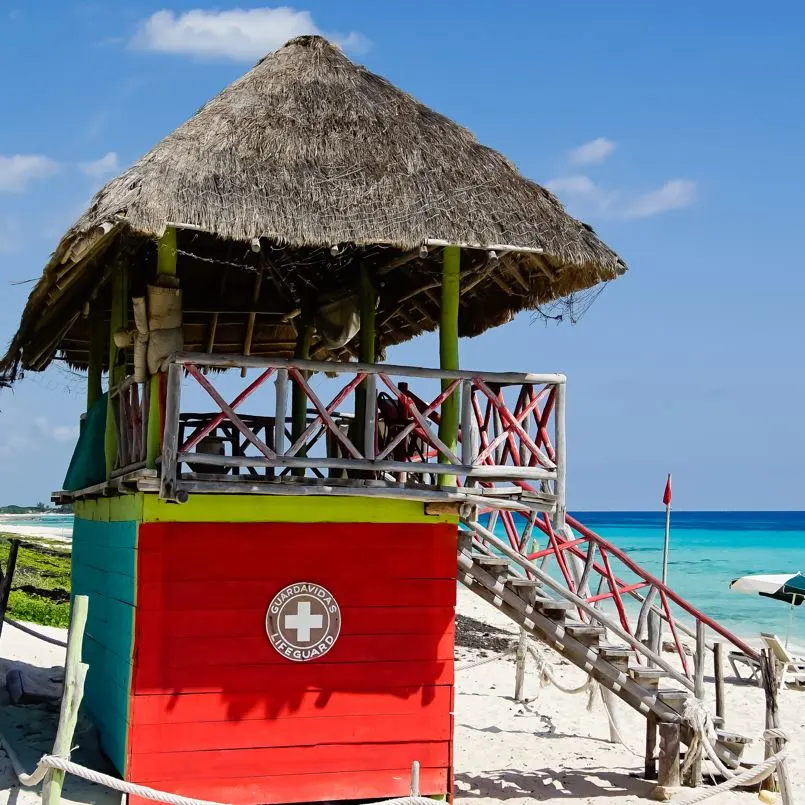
615, 654
489, 561
532, 584
640, 671
732, 737
584, 633
554, 610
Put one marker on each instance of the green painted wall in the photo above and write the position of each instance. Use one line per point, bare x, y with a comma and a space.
105, 569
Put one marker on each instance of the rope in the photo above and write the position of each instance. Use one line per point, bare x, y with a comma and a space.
27, 630
503, 654
54, 762
747, 778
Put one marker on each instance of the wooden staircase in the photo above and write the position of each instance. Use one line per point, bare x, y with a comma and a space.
577, 632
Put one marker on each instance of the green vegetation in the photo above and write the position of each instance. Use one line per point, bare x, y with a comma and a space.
41, 589
38, 509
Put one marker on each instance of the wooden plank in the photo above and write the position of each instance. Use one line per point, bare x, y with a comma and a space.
156, 738
259, 705
188, 595
364, 676
235, 623
222, 652
309, 788
247, 763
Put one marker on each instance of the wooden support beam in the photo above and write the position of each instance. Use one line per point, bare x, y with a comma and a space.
304, 339
247, 341
166, 267
448, 348
117, 358
96, 344
669, 768
650, 770
779, 780
368, 354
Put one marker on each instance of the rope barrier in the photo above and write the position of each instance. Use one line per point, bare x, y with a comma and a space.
501, 656
49, 762
750, 777
34, 633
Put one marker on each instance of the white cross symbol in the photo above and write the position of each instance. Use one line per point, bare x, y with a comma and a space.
303, 622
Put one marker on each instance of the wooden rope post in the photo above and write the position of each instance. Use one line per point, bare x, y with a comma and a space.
718, 675
778, 781
7, 578
448, 350
166, 267
693, 776
650, 770
669, 768
653, 641
75, 673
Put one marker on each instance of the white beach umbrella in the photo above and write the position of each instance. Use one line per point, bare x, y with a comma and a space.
782, 586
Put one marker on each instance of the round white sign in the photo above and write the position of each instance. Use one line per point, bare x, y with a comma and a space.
303, 621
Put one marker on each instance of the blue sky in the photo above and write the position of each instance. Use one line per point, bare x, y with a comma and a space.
676, 131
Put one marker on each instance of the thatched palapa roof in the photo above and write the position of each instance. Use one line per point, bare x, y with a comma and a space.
303, 169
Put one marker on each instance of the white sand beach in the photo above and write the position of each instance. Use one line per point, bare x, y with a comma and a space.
549, 749
20, 524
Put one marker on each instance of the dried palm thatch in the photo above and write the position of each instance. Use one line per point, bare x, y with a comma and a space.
304, 153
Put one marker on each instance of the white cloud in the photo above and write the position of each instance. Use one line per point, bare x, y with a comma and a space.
239, 34
9, 235
104, 166
593, 152
17, 171
571, 185
59, 433
673, 195
590, 198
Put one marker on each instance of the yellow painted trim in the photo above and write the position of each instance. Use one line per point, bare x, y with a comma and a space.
288, 509
112, 509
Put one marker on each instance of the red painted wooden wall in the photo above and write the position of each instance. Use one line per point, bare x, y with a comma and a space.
347, 725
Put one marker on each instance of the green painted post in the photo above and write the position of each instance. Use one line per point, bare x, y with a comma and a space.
368, 349
96, 343
166, 267
117, 363
448, 349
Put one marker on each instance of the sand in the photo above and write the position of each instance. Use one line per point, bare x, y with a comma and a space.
549, 749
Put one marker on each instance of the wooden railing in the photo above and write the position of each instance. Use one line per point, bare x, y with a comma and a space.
512, 429
130, 403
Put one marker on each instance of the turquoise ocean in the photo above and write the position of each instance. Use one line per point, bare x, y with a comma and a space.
708, 550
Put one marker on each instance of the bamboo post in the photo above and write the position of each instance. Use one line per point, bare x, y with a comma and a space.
280, 411
170, 441
448, 350
117, 361
166, 267
368, 354
247, 340
779, 780
304, 339
75, 672
560, 439
96, 344
7, 578
718, 675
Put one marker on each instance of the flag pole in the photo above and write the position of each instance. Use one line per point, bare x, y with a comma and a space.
666, 499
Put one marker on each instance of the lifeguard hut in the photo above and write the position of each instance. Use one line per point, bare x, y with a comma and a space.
274, 573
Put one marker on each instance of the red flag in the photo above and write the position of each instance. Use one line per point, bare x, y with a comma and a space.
666, 498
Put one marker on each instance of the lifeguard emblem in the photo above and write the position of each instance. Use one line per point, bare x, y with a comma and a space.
303, 621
